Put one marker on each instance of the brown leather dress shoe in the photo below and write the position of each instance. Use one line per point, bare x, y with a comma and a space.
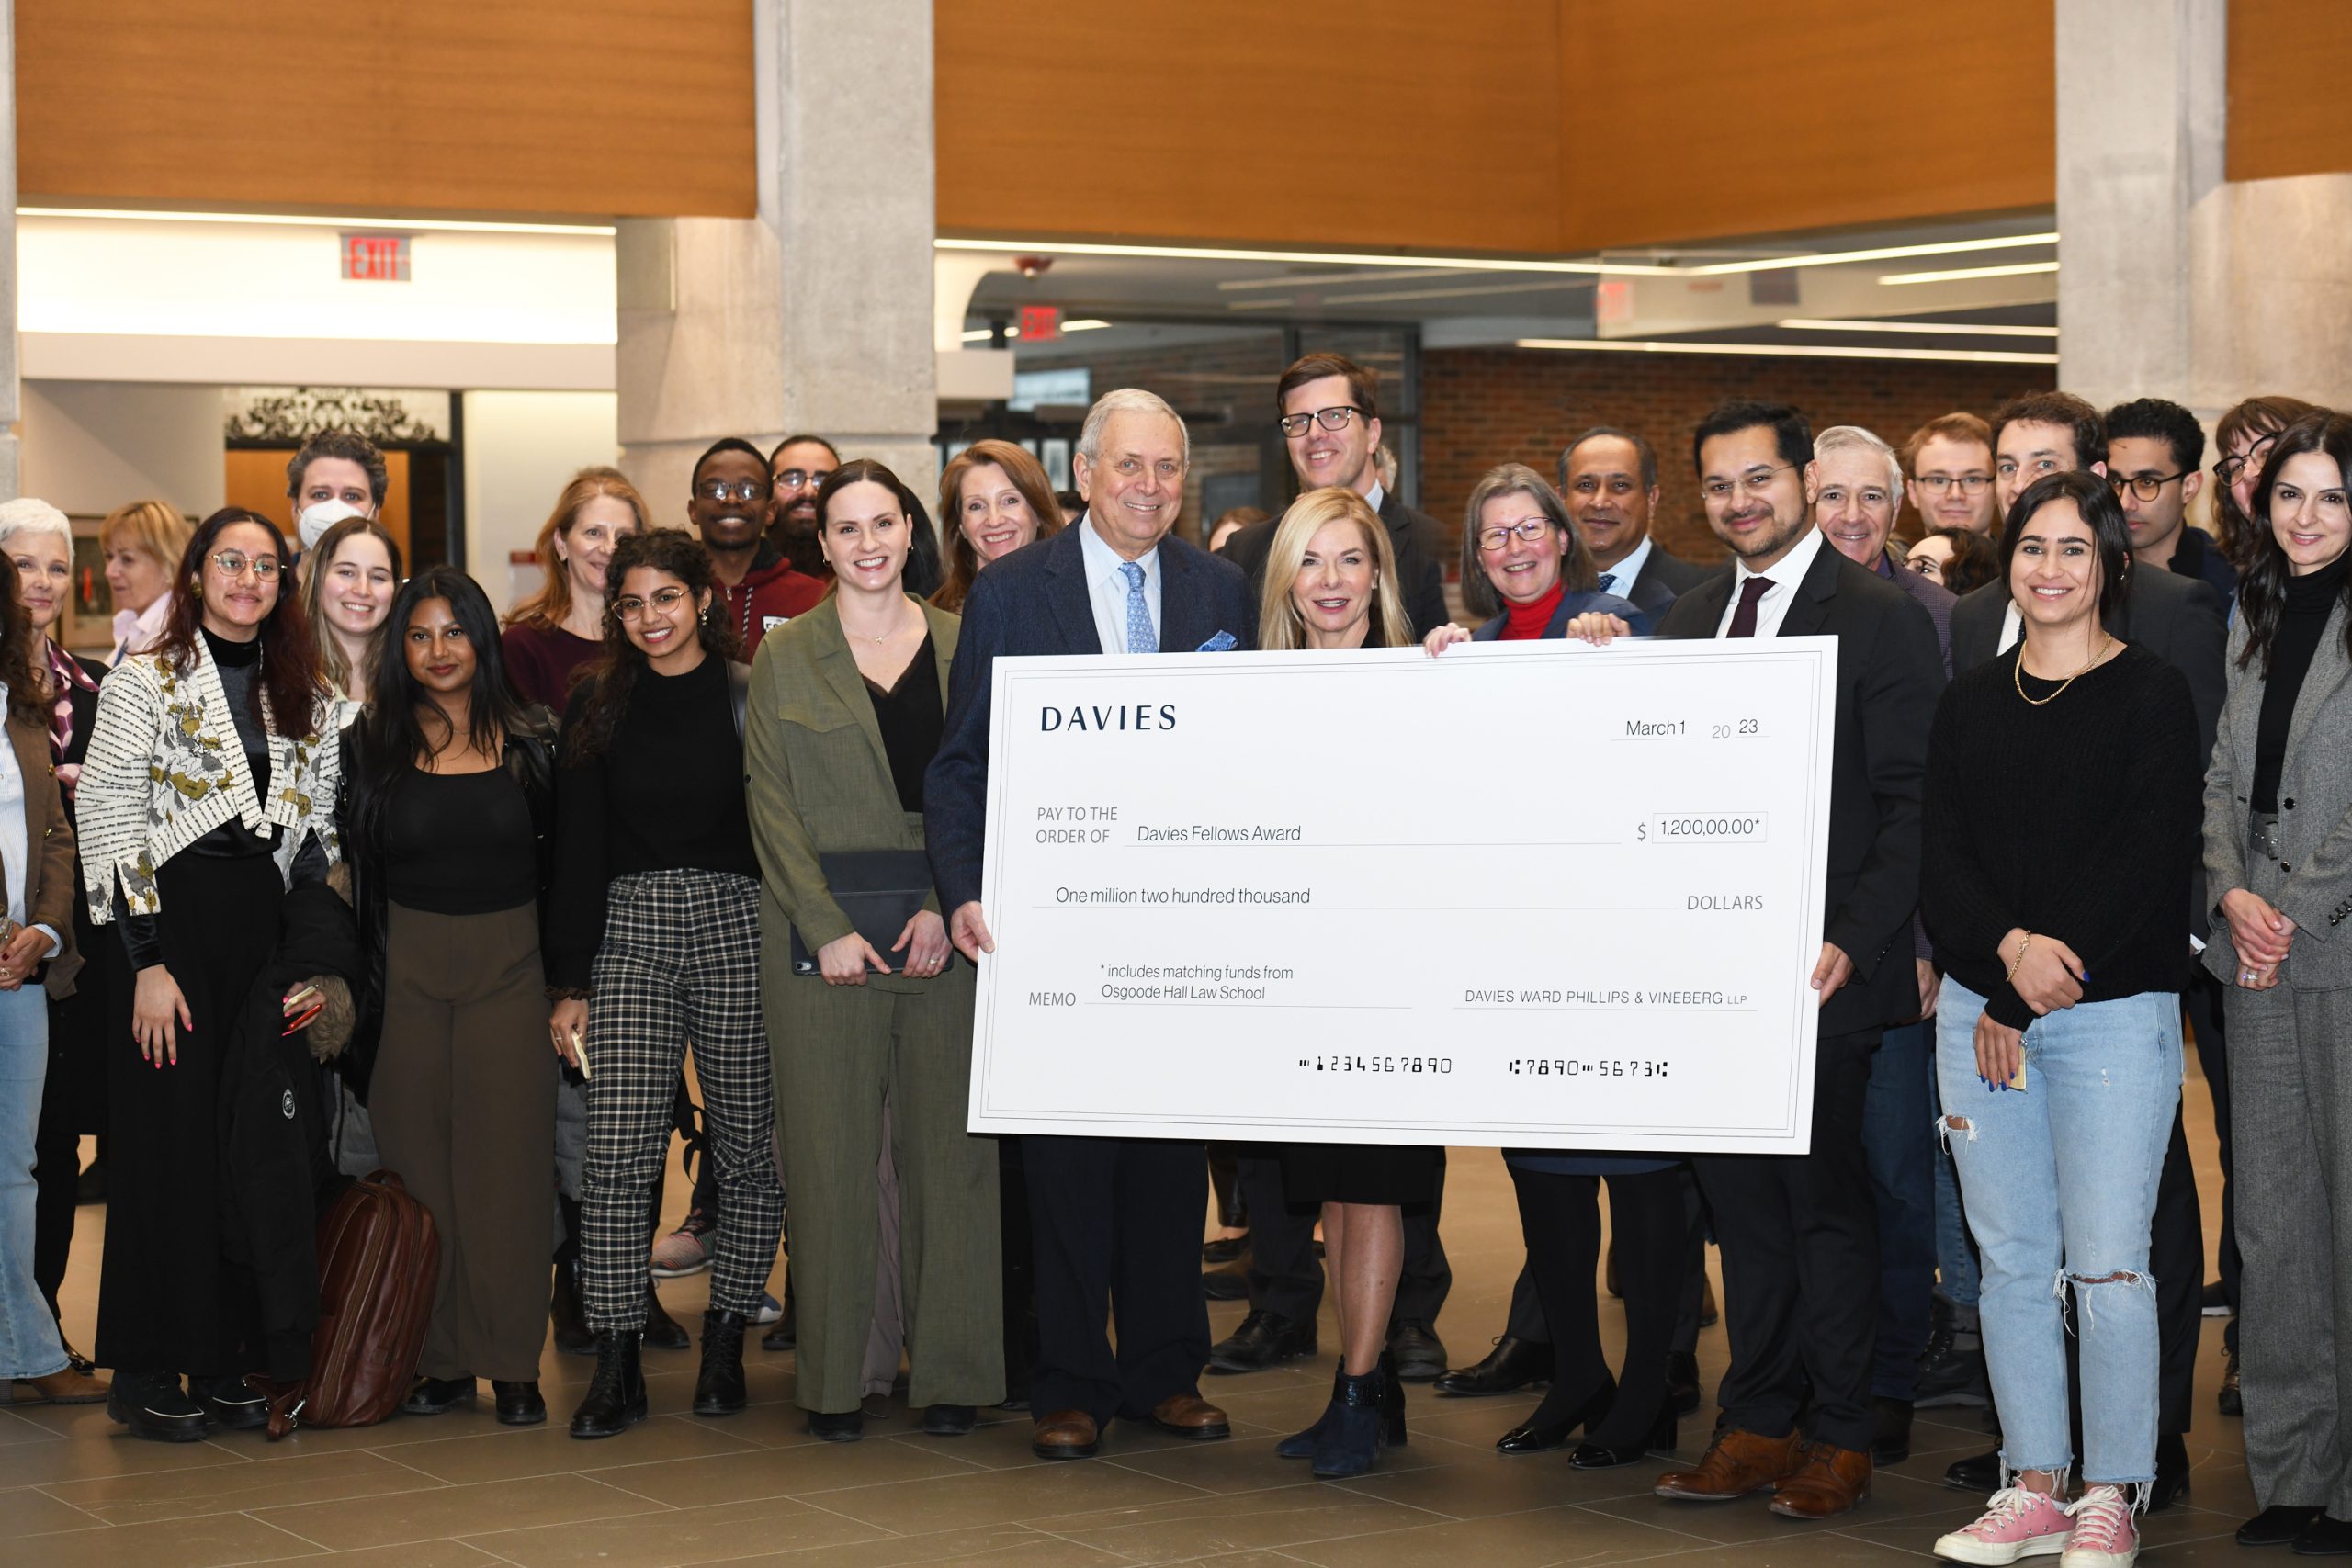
1065, 1434
1189, 1415
1831, 1483
1734, 1464
65, 1387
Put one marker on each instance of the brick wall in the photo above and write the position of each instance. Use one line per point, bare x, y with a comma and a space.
1481, 407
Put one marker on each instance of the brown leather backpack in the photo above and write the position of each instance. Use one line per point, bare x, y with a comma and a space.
379, 1261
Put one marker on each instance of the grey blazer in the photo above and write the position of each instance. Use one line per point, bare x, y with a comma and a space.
2315, 812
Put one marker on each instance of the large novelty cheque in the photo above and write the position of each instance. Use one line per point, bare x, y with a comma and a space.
1542, 896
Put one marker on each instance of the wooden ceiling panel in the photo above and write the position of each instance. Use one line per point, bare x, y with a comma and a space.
603, 107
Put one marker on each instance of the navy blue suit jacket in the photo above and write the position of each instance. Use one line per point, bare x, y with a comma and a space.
1664, 579
1034, 602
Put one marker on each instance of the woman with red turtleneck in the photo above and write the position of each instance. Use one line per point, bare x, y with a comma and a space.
1524, 565
1522, 557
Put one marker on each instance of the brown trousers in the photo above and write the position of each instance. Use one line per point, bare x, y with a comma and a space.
464, 1105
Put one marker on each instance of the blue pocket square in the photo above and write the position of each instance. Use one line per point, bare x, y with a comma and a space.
1221, 643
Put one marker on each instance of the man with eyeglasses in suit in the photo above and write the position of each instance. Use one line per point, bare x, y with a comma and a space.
1327, 408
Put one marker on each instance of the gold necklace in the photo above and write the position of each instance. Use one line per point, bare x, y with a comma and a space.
2106, 640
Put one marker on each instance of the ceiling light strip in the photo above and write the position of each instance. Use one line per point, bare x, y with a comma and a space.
1497, 264
1788, 350
1882, 252
1932, 329
1323, 258
1960, 274
296, 220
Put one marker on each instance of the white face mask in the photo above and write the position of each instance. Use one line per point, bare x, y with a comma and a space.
316, 520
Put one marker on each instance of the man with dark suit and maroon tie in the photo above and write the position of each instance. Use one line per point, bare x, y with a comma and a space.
1798, 1232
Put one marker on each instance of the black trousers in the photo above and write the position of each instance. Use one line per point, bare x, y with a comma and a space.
1798, 1235
1561, 1217
2202, 1000
1115, 1232
57, 1178
74, 1101
1286, 1278
169, 1298
1525, 1320
2176, 1258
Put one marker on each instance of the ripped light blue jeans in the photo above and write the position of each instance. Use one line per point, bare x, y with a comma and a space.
2060, 1182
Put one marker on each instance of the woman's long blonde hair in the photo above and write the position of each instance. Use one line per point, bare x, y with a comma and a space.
552, 605
1279, 625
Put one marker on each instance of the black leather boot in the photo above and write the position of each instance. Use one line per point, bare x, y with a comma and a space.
616, 1399
154, 1406
718, 1387
519, 1403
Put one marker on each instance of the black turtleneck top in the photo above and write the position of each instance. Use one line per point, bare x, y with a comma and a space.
2302, 619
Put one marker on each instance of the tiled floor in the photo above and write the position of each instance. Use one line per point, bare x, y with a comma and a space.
460, 1490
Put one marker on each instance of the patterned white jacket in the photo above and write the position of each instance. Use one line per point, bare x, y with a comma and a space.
166, 768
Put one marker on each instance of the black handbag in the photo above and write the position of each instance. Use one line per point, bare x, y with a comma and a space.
879, 890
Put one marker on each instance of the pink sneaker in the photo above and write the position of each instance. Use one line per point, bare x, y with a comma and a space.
2103, 1535
2016, 1523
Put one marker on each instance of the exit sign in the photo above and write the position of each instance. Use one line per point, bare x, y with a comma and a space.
376, 258
1040, 324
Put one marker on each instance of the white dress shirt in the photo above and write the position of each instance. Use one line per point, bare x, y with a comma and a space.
2012, 628
1106, 587
1785, 574
139, 631
1620, 578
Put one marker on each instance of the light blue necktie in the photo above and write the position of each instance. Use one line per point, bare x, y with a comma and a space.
1609, 582
1140, 637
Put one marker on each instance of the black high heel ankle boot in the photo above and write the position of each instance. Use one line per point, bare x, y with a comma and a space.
1301, 1444
1606, 1456
1351, 1441
1550, 1426
1392, 1403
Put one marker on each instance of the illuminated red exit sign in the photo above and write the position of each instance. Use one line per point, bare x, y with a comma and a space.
376, 258
1040, 324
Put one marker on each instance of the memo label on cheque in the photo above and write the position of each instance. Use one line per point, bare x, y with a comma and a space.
1538, 895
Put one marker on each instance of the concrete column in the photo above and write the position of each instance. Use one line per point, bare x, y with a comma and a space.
2271, 291
11, 409
2141, 114
816, 315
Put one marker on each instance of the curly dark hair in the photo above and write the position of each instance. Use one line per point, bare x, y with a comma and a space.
603, 689
347, 444
291, 682
22, 665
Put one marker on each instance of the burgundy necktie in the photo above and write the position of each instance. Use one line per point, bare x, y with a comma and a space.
1743, 620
